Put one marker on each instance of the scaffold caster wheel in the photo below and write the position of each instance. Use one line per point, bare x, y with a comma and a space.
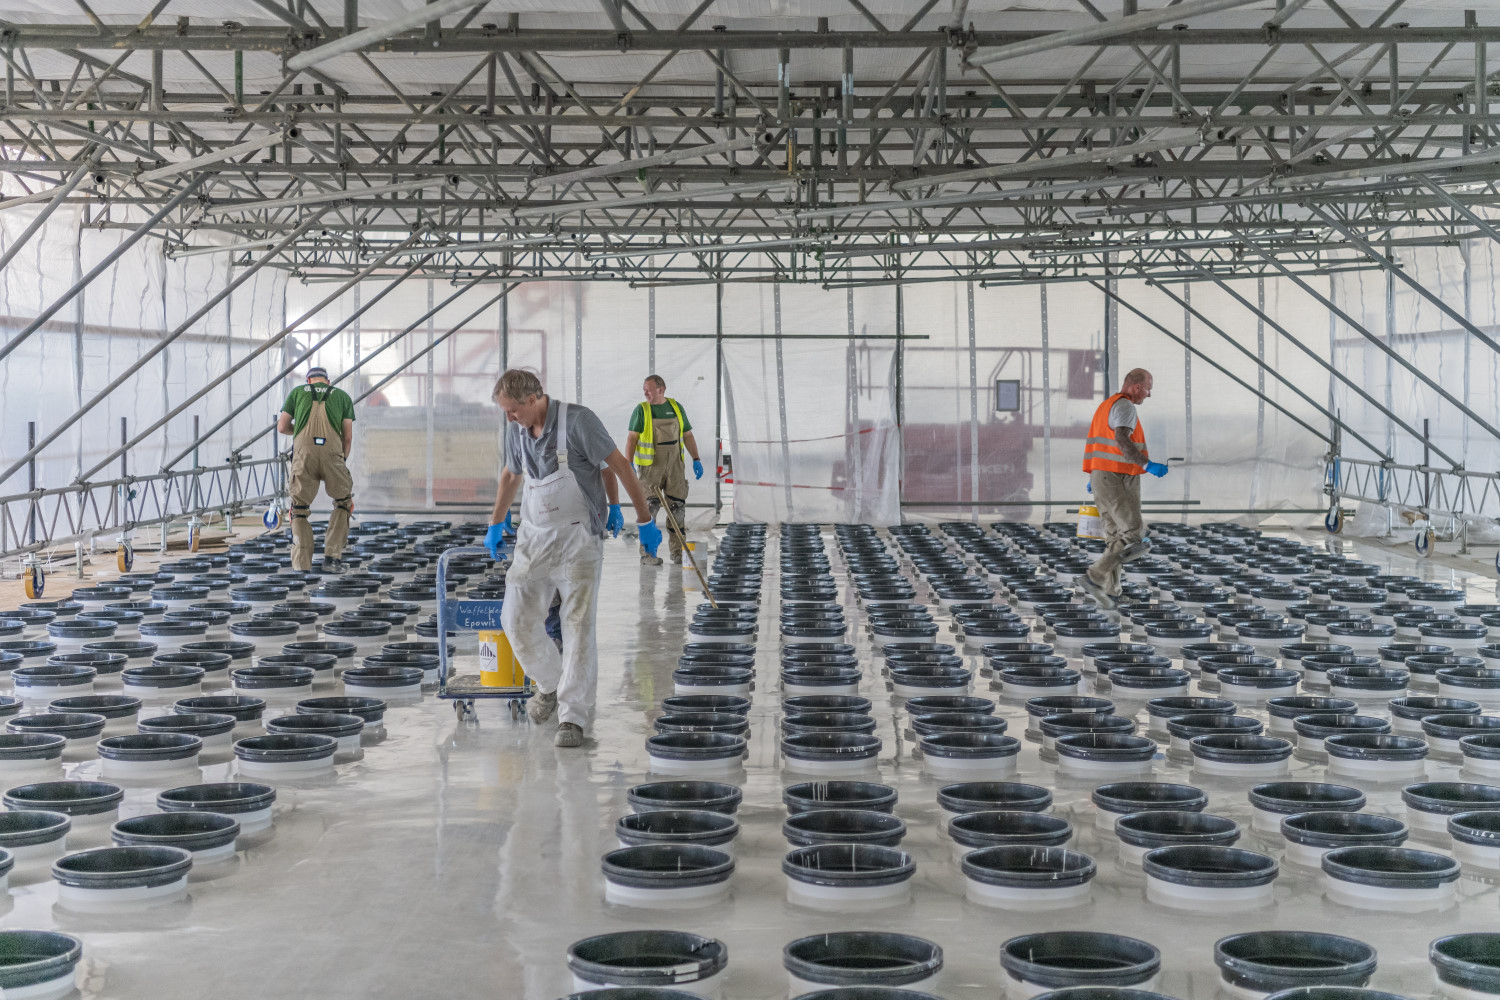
1333, 521
463, 711
271, 518
1497, 562
35, 580
1423, 542
125, 557
194, 538
515, 706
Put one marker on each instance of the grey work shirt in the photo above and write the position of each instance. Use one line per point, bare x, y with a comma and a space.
1123, 414
589, 444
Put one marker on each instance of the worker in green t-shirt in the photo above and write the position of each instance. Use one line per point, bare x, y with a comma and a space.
320, 419
658, 437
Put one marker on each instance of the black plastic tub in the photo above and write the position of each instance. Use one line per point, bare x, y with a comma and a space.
370, 710
847, 876
1208, 878
1040, 708
162, 681
1099, 754
1311, 835
1024, 879
931, 704
701, 827
969, 753
1375, 757
1159, 710
1429, 804
1262, 962
385, 682
1120, 798
1407, 713
830, 753
111, 876
672, 875
839, 795
147, 754
285, 754
818, 722
1283, 712
983, 796
244, 709
843, 826
868, 959
694, 752
710, 795
28, 833
248, 802
1273, 801
1055, 727
207, 836
1467, 961
75, 727
1057, 960
1390, 878
646, 960
1312, 730
215, 729
344, 728
1142, 832
81, 800
1182, 729
997, 828
272, 680
732, 704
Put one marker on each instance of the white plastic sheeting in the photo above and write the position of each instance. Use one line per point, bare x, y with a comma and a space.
812, 428
116, 320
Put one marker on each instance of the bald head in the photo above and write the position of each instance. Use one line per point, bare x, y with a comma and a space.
1137, 386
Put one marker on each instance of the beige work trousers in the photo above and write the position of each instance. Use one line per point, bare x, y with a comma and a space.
1118, 497
667, 473
314, 463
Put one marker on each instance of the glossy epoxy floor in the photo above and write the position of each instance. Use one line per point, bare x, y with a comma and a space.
463, 859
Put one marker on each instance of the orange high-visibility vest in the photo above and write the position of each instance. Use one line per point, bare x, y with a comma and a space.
1102, 451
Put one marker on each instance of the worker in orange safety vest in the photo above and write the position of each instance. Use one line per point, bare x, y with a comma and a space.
1115, 457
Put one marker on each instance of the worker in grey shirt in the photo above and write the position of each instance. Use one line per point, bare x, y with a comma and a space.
572, 471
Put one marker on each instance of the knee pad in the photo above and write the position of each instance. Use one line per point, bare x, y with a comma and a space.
301, 510
345, 503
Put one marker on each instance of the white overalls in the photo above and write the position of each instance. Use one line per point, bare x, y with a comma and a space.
557, 552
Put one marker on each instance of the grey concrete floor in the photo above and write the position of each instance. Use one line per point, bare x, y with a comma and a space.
463, 859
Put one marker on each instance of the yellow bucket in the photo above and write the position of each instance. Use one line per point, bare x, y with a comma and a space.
1090, 524
498, 666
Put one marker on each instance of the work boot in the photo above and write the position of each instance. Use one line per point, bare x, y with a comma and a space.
1095, 591
541, 706
1136, 550
647, 559
569, 734
333, 566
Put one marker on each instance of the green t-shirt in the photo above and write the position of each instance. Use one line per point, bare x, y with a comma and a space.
659, 411
336, 403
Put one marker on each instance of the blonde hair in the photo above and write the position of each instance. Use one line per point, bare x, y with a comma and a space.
517, 385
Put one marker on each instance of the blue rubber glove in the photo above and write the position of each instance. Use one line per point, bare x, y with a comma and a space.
697, 469
615, 523
510, 528
650, 536
1156, 469
494, 540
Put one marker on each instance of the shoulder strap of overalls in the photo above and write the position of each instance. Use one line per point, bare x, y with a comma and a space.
562, 434
681, 444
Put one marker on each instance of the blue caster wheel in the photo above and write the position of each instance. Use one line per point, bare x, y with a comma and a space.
1423, 542
1333, 521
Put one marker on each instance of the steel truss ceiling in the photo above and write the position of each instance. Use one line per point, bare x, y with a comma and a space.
1213, 138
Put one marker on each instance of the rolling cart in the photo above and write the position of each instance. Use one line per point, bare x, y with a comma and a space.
468, 616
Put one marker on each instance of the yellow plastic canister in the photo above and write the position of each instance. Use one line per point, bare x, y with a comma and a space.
1090, 524
498, 666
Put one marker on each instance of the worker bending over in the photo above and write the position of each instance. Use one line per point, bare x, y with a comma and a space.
320, 419
569, 463
1115, 456
658, 438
